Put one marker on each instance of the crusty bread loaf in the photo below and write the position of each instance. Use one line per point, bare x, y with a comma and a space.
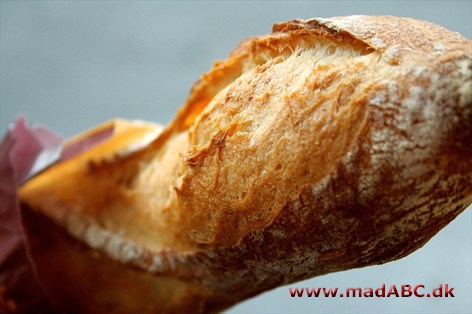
326, 145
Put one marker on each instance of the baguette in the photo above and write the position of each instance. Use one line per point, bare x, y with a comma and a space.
327, 145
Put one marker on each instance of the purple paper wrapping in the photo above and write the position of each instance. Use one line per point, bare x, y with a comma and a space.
24, 152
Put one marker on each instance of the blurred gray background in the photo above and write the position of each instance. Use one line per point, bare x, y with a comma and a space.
72, 65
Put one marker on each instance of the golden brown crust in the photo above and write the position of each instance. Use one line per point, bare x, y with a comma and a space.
327, 145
